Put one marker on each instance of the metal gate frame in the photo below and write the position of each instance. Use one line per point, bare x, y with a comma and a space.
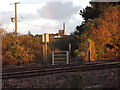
66, 54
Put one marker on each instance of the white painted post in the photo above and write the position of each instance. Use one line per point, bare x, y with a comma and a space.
69, 52
46, 51
53, 62
67, 57
43, 51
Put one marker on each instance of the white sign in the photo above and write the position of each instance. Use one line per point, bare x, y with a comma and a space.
45, 37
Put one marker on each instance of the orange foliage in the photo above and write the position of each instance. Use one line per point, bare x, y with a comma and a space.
107, 31
22, 49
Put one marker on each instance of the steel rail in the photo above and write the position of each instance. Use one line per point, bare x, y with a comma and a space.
58, 69
7, 69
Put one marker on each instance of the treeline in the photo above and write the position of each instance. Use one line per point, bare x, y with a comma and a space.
21, 49
100, 30
99, 33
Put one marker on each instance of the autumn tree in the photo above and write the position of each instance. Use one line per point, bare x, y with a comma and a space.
22, 49
102, 29
105, 33
33, 43
17, 54
13, 52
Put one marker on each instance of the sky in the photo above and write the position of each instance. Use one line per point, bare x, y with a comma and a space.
42, 16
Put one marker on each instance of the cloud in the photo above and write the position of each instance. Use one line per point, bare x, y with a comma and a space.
58, 10
28, 17
6, 15
49, 16
73, 22
40, 26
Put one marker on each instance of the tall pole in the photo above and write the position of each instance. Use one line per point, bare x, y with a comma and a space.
16, 16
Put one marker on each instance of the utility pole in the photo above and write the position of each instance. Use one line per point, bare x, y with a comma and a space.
15, 18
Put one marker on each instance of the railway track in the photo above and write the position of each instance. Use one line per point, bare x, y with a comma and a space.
45, 70
7, 69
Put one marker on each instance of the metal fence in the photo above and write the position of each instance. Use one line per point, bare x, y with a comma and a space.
60, 57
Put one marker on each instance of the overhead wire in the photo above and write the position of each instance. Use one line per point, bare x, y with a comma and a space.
37, 25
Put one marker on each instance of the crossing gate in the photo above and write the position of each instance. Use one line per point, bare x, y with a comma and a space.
60, 57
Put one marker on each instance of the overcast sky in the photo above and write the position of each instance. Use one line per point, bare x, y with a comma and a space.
42, 16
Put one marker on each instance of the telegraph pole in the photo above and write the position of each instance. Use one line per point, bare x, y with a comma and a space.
16, 16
